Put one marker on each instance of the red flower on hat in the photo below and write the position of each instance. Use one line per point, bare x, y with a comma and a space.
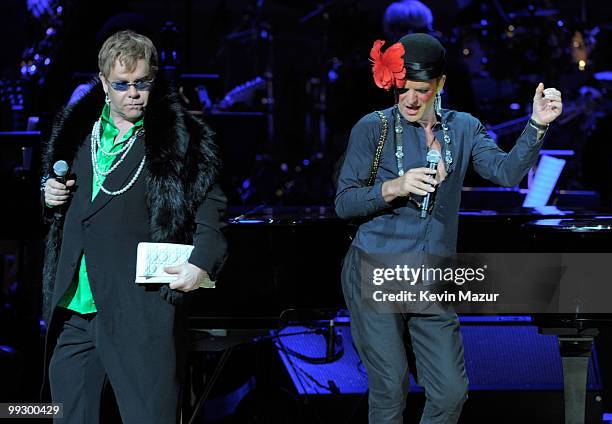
388, 67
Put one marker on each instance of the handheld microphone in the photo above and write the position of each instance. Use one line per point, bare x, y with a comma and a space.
60, 169
433, 157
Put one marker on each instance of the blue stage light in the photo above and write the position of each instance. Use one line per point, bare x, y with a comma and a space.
332, 75
7, 349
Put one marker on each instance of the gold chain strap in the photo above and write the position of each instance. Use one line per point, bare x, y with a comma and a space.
379, 147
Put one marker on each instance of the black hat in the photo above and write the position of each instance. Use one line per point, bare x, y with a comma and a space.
424, 57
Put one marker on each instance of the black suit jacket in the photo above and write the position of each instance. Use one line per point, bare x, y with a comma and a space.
109, 229
143, 325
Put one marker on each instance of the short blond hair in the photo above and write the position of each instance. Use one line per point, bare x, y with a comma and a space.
127, 47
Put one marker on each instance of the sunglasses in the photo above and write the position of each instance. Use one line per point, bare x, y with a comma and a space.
144, 85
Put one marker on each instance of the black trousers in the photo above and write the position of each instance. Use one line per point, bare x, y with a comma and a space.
84, 359
380, 341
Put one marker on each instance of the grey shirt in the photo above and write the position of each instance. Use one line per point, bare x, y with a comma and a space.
396, 227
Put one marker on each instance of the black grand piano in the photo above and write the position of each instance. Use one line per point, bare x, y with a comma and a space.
284, 266
288, 259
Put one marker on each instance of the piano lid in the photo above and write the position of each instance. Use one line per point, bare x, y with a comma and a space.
265, 215
598, 224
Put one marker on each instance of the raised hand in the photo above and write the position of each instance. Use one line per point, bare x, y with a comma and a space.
547, 105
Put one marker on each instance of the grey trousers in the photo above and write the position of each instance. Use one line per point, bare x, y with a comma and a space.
380, 340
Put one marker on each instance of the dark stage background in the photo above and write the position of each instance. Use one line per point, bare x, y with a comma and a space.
282, 83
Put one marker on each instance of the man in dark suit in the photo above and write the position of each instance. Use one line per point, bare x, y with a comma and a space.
141, 169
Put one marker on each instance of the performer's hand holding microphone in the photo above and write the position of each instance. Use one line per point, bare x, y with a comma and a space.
57, 189
419, 181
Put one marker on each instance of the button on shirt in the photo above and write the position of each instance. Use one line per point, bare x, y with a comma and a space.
79, 297
396, 227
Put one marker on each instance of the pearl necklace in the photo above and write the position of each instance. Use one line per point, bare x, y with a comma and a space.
98, 173
127, 146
